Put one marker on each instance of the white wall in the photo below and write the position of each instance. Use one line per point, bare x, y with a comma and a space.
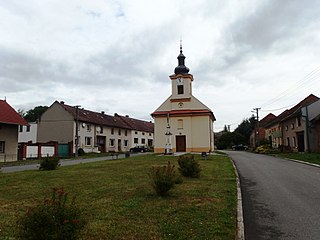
25, 136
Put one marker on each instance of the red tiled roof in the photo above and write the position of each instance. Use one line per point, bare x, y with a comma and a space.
107, 120
9, 116
267, 119
136, 124
290, 112
305, 102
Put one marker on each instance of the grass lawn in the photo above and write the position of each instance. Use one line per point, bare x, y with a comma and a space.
306, 157
119, 202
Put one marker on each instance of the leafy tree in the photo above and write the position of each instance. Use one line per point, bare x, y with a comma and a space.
245, 128
34, 114
228, 139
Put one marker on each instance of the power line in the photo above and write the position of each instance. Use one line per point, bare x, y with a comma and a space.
273, 110
304, 82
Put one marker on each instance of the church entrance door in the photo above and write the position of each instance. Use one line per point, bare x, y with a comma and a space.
180, 143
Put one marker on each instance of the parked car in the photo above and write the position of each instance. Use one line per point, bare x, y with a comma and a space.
138, 149
240, 147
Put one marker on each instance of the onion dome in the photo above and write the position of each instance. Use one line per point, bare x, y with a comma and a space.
181, 69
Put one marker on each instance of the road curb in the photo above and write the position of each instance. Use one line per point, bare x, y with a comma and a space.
240, 223
306, 163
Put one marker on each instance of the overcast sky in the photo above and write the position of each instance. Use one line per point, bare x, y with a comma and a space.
116, 56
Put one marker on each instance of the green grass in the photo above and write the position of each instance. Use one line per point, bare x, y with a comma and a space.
119, 202
306, 157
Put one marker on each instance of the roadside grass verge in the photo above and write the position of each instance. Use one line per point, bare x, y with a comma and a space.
119, 202
305, 157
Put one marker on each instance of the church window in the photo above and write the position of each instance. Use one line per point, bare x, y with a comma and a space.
180, 123
180, 89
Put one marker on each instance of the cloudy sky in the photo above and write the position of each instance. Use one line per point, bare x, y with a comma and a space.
116, 56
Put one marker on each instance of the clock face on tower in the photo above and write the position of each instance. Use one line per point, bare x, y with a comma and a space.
179, 81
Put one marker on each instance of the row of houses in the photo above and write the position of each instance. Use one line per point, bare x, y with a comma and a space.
295, 129
63, 129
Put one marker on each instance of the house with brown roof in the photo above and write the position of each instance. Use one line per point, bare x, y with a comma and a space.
259, 133
9, 124
73, 128
294, 126
289, 128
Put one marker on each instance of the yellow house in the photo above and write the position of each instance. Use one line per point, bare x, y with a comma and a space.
182, 123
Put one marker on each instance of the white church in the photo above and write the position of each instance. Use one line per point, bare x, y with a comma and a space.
182, 123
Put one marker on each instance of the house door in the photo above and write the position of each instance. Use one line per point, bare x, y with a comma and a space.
300, 137
101, 142
63, 150
180, 143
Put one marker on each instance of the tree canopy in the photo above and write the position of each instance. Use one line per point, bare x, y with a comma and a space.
34, 114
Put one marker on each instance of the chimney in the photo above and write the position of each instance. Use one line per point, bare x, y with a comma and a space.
62, 102
116, 115
127, 116
102, 112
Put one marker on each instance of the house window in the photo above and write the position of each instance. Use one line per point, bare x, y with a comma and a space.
20, 128
143, 141
88, 128
135, 140
180, 89
150, 134
288, 142
294, 141
143, 133
101, 129
292, 125
111, 143
112, 131
135, 132
119, 132
28, 128
125, 132
2, 146
88, 141
180, 123
125, 143
286, 128
299, 121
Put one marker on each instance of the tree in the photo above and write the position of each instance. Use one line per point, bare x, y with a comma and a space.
34, 114
245, 128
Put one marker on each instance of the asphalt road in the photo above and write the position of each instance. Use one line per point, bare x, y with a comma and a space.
281, 198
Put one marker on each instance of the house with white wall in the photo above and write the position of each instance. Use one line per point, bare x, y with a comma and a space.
9, 124
74, 127
28, 133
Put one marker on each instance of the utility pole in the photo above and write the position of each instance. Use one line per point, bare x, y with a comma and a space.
257, 131
77, 130
307, 129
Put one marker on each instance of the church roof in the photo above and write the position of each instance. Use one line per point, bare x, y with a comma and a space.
181, 68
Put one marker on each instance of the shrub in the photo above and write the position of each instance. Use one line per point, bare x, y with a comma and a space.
54, 219
188, 166
49, 163
81, 152
163, 178
266, 149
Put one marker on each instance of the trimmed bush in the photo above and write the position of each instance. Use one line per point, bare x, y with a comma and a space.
163, 178
81, 152
188, 166
49, 163
54, 219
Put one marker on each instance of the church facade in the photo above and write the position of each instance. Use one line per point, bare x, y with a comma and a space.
182, 123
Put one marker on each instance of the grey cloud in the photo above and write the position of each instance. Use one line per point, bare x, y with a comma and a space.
274, 21
20, 71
